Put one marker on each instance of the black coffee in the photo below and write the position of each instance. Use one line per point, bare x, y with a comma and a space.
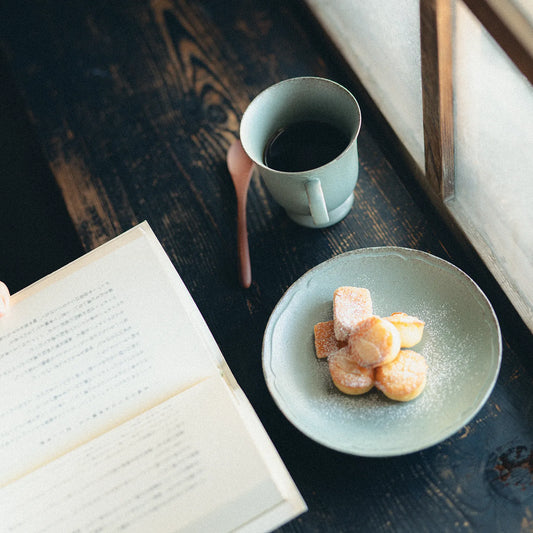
304, 146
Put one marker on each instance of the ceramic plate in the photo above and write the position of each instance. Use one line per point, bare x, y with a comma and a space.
461, 342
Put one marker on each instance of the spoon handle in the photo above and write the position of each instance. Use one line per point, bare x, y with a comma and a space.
242, 240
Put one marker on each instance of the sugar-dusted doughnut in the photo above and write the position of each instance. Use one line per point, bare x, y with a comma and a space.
374, 341
4, 298
410, 328
350, 305
325, 341
347, 375
404, 378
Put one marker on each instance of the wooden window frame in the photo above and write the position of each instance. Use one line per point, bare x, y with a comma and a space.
437, 94
435, 171
510, 29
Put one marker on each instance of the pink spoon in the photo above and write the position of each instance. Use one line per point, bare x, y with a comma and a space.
240, 167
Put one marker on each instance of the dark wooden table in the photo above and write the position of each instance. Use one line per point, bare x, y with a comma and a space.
134, 104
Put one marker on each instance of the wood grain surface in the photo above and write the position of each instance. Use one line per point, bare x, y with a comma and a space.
436, 32
135, 103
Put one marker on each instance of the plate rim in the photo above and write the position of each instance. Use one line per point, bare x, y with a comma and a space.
387, 250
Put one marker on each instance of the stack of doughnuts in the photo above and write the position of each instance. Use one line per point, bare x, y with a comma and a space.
364, 350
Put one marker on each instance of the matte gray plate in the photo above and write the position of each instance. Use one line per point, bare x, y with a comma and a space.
461, 342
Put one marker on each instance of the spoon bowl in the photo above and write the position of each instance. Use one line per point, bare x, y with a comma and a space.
240, 167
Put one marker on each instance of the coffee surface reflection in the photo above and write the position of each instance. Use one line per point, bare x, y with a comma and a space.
304, 146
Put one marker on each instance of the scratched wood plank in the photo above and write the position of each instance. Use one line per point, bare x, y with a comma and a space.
135, 103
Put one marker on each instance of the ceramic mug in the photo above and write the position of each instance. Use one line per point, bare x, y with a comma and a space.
320, 196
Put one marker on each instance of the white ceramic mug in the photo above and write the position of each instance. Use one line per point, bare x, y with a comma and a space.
321, 196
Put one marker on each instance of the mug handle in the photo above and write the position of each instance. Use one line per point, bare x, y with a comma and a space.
317, 204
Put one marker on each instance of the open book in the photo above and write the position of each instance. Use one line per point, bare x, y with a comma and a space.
118, 411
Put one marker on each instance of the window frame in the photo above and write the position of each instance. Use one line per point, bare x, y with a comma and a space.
510, 29
435, 171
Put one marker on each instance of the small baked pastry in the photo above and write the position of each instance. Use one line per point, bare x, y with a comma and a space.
409, 327
404, 378
325, 340
374, 341
350, 305
347, 375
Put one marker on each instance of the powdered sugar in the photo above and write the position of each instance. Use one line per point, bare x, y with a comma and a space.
350, 305
460, 343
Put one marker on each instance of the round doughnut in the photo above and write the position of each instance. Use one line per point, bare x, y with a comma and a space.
409, 327
404, 378
374, 341
347, 375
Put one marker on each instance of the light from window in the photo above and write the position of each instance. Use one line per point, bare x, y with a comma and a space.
381, 42
493, 121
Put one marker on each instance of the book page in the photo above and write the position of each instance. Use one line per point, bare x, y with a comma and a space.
118, 411
163, 471
91, 346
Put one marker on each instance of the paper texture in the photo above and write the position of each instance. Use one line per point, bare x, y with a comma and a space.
118, 411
